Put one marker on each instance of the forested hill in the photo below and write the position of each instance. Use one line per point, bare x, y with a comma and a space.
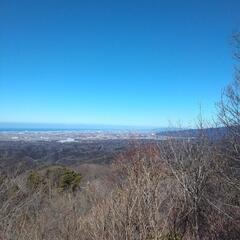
212, 133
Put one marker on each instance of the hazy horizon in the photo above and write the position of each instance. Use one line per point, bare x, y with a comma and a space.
74, 126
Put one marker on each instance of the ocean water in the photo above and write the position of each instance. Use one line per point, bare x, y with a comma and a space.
24, 127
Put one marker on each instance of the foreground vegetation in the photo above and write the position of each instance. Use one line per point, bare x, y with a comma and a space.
174, 190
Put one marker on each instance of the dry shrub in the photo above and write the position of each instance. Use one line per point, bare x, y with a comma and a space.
135, 209
172, 190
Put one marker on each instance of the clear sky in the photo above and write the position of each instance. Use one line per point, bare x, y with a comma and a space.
124, 62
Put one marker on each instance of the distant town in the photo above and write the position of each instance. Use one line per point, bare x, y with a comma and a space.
75, 136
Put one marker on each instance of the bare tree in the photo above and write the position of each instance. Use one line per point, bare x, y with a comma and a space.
229, 117
229, 148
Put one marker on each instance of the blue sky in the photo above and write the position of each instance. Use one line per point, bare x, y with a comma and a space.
114, 62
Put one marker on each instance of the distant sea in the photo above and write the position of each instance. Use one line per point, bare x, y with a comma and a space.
49, 129
38, 127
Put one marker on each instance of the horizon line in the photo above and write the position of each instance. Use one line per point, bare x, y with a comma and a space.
72, 125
